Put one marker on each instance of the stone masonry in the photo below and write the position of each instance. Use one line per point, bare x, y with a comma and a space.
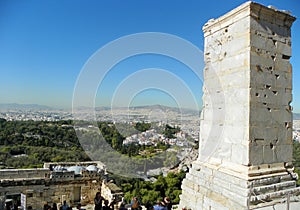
42, 185
245, 151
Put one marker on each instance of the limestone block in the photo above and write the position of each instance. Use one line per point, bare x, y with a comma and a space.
238, 198
288, 75
269, 155
221, 183
235, 134
189, 176
281, 97
243, 25
207, 130
276, 115
258, 60
276, 28
262, 78
283, 153
256, 132
283, 48
214, 99
207, 171
259, 114
281, 115
239, 154
259, 78
189, 191
213, 205
285, 137
236, 97
236, 115
267, 27
255, 154
281, 206
235, 44
262, 43
235, 180
219, 150
270, 134
239, 190
189, 184
209, 87
282, 65
210, 133
234, 62
215, 26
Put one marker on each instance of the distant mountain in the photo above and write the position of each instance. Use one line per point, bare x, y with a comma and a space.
15, 106
37, 107
165, 108
296, 116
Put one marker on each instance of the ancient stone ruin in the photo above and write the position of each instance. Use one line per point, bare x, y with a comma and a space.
74, 182
246, 145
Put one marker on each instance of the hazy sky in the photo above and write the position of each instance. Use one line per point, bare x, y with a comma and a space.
45, 46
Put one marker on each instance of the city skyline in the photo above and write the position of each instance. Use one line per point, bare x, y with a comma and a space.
45, 46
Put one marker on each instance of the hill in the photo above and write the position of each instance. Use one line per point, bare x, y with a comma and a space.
15, 106
296, 116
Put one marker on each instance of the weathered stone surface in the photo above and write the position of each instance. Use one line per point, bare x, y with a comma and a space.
245, 131
45, 185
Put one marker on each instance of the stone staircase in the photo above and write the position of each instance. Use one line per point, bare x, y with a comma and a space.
276, 189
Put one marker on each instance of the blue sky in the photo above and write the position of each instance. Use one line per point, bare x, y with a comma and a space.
44, 45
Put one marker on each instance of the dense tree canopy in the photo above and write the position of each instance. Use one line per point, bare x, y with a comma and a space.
150, 192
27, 144
170, 131
31, 143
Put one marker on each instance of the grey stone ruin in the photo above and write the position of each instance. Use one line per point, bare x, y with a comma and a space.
245, 152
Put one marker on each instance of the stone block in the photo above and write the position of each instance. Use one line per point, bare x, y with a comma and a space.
239, 154
237, 96
222, 183
284, 49
239, 190
213, 205
237, 43
270, 28
283, 153
256, 153
235, 134
215, 27
189, 184
233, 62
236, 115
256, 133
263, 43
282, 65
237, 197
258, 60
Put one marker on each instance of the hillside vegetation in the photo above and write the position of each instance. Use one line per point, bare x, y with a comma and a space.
28, 144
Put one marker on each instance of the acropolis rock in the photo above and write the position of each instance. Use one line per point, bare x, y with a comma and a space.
246, 146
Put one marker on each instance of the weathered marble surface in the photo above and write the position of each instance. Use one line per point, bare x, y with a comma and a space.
245, 149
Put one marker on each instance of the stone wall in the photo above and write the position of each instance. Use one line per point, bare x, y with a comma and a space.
245, 149
270, 87
25, 173
39, 192
45, 185
111, 192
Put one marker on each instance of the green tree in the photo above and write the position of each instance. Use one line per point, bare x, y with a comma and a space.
142, 126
